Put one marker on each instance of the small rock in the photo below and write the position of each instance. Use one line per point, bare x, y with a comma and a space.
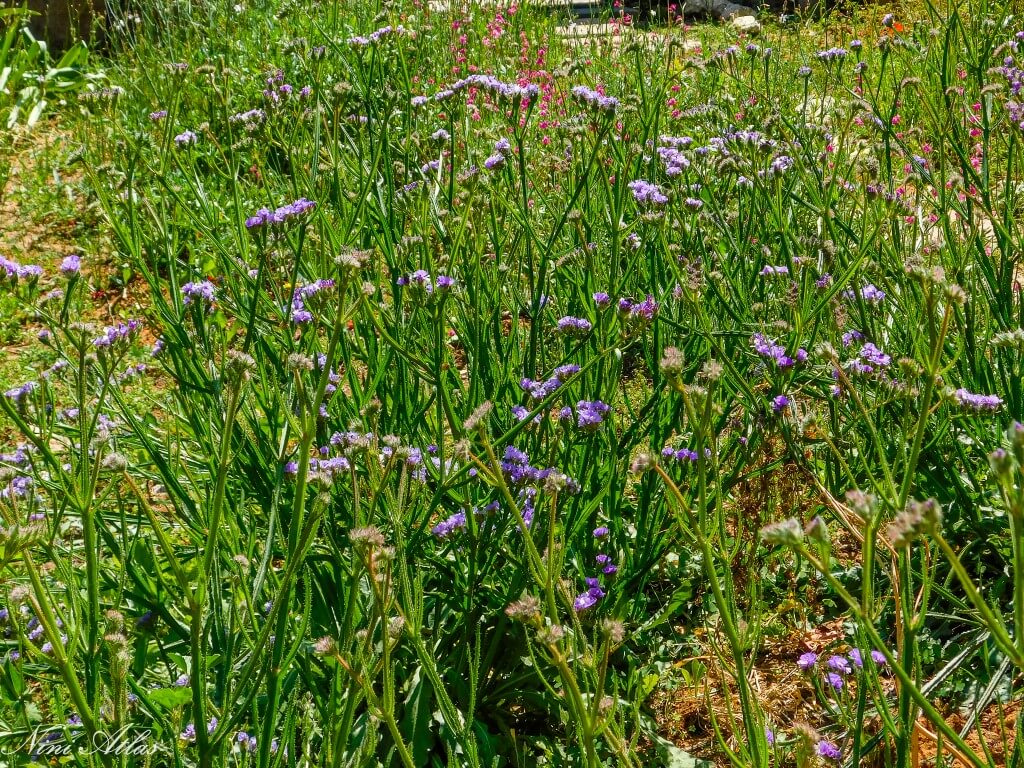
746, 24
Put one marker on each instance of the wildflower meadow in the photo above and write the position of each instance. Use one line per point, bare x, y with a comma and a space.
423, 384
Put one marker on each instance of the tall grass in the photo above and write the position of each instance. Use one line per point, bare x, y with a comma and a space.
464, 356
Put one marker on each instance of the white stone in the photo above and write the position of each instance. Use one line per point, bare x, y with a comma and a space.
746, 24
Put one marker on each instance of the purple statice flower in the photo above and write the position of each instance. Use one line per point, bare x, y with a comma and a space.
182, 681
185, 139
888, 20
607, 566
14, 271
189, 734
778, 166
160, 114
203, 293
245, 741
113, 334
973, 402
832, 54
601, 532
804, 71
418, 101
503, 147
872, 355
851, 336
642, 311
835, 680
506, 91
590, 414
574, 326
520, 413
769, 735
770, 270
71, 265
879, 658
856, 658
602, 300
829, 751
646, 193
376, 36
494, 162
456, 522
583, 602
595, 100
432, 167
807, 661
20, 394
300, 313
440, 136
539, 390
264, 217
780, 403
869, 292
249, 119
444, 283
840, 664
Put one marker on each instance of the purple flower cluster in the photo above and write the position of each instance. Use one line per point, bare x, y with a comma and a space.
203, 292
869, 292
829, 751
587, 600
509, 91
832, 54
246, 742
114, 334
590, 414
14, 271
264, 217
594, 99
770, 349
679, 454
538, 390
185, 139
640, 312
672, 156
376, 36
836, 667
71, 265
502, 150
250, 120
574, 326
20, 394
421, 281
300, 314
515, 465
770, 270
277, 89
973, 402
459, 521
646, 193
869, 359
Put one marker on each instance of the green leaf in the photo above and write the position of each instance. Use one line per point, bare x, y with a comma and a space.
671, 756
416, 723
170, 698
